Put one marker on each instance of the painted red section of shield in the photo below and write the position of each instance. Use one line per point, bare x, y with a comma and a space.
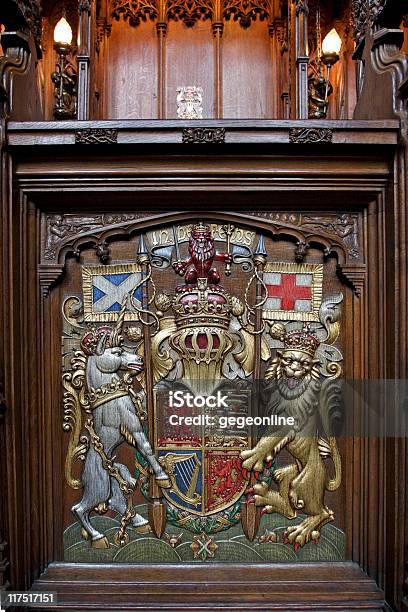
224, 477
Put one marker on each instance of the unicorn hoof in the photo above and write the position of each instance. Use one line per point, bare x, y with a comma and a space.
100, 543
85, 535
143, 529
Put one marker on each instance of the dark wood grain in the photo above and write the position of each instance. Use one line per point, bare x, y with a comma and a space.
150, 171
167, 188
341, 586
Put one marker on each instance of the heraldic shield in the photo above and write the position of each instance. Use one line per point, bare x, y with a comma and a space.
169, 360
203, 463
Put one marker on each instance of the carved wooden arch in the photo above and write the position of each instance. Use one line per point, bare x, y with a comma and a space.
190, 11
124, 226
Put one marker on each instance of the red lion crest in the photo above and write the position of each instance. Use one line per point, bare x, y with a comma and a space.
202, 253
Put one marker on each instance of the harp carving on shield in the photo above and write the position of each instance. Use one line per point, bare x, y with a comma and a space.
183, 470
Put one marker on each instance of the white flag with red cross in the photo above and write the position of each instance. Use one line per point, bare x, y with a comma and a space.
294, 291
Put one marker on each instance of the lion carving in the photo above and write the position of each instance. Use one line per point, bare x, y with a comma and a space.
202, 254
295, 388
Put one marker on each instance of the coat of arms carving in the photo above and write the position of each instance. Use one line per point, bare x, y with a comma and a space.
170, 360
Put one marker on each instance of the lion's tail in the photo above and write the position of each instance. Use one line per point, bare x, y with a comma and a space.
335, 482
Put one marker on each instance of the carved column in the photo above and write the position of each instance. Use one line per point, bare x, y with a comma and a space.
161, 28
218, 27
15, 61
277, 32
302, 59
3, 544
83, 59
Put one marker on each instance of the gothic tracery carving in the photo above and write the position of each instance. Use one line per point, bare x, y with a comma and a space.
31, 13
134, 11
245, 11
189, 11
340, 228
64, 231
365, 14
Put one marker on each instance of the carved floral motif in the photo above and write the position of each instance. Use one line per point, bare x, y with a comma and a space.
365, 14
84, 6
189, 11
96, 136
302, 7
134, 11
31, 12
201, 135
245, 11
343, 228
310, 135
60, 228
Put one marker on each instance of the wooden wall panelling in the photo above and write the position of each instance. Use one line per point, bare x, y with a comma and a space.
132, 71
41, 177
20, 54
247, 92
51, 14
292, 59
278, 36
302, 59
397, 334
161, 28
217, 28
190, 60
86, 8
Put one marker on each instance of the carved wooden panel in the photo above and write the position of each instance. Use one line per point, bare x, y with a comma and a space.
190, 511
189, 61
321, 208
130, 89
246, 92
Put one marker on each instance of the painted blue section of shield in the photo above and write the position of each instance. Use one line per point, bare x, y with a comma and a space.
184, 472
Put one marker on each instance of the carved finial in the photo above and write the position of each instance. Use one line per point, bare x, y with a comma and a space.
102, 251
301, 250
260, 253
142, 251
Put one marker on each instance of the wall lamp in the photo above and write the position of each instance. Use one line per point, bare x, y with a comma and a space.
320, 88
65, 75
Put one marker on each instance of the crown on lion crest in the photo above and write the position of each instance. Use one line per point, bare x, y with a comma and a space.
201, 228
302, 340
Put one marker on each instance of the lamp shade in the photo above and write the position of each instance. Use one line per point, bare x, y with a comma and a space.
331, 43
63, 32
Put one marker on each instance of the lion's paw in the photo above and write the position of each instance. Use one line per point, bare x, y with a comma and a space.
264, 497
254, 458
307, 531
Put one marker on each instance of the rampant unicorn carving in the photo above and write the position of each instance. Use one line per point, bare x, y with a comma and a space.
112, 420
